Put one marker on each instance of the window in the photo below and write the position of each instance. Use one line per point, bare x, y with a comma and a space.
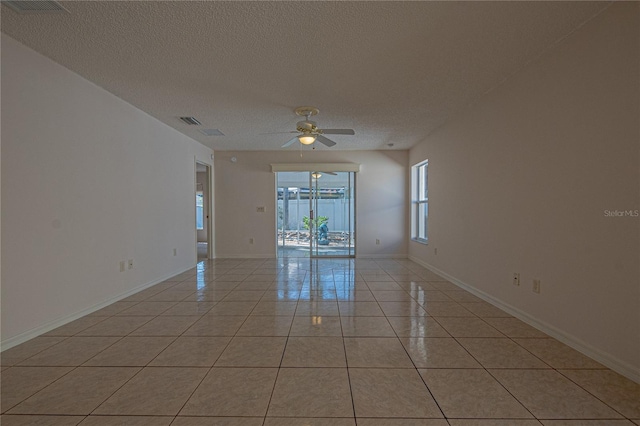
199, 210
419, 202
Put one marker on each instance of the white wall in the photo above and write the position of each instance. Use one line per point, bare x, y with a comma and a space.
520, 183
87, 181
381, 200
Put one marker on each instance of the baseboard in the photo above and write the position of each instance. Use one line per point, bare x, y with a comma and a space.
606, 359
35, 332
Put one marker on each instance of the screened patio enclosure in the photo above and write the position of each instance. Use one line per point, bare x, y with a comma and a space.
316, 214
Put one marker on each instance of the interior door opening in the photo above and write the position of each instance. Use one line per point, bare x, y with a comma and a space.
316, 214
203, 224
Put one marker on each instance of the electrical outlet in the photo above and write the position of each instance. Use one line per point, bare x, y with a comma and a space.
435, 251
260, 209
130, 263
536, 286
122, 265
250, 240
516, 278
175, 251
377, 242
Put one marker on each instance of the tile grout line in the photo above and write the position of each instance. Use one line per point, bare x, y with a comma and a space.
559, 371
416, 369
279, 368
346, 363
140, 368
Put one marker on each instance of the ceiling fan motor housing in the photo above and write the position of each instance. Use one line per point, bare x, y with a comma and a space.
307, 126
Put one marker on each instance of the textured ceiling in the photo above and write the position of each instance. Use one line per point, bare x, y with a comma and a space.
392, 71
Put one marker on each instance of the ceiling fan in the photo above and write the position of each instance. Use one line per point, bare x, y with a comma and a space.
318, 175
309, 131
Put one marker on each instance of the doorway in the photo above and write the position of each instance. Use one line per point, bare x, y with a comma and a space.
203, 203
316, 214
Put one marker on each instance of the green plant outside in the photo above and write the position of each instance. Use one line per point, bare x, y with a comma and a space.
317, 222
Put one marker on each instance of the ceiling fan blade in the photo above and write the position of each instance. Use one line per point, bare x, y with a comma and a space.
291, 142
325, 141
338, 131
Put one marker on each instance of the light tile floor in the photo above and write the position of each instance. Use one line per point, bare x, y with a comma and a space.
301, 342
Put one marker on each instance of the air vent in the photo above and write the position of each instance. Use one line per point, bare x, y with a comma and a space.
190, 121
211, 132
35, 6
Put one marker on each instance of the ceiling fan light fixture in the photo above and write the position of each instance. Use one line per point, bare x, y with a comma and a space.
306, 139
316, 175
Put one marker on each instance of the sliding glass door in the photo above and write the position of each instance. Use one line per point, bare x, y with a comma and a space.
316, 214
332, 206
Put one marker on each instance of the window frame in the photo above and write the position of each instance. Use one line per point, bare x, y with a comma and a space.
420, 202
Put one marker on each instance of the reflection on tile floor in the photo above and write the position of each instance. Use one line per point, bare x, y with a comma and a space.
327, 342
